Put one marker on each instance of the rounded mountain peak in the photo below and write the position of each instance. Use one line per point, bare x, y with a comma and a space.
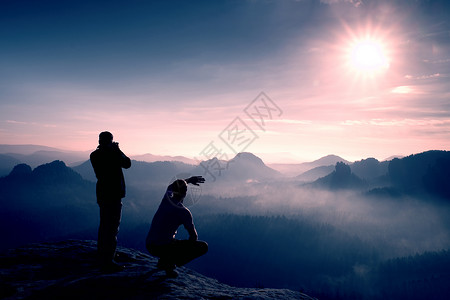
248, 157
21, 169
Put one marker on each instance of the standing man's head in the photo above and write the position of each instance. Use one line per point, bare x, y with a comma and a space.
177, 190
105, 138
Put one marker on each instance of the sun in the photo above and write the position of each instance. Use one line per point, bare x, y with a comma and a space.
367, 57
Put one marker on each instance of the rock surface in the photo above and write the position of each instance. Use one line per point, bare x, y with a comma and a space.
68, 270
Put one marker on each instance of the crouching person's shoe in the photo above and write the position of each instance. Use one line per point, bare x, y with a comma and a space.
171, 273
168, 267
111, 267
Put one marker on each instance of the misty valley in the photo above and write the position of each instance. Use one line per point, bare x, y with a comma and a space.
334, 230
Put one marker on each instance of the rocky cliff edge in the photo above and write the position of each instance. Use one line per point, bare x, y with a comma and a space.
68, 270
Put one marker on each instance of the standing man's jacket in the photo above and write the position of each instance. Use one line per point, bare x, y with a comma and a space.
108, 162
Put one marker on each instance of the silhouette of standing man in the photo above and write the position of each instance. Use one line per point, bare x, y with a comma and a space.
108, 161
170, 215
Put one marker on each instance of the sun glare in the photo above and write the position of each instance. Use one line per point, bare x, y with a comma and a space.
367, 51
368, 56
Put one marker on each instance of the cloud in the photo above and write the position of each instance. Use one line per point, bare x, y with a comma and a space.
47, 125
397, 122
402, 90
420, 224
438, 61
16, 122
355, 3
287, 121
427, 76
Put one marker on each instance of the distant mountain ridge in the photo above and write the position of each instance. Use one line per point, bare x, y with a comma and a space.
426, 172
35, 155
341, 178
141, 172
24, 149
370, 168
298, 169
315, 173
43, 203
423, 174
247, 168
148, 157
244, 167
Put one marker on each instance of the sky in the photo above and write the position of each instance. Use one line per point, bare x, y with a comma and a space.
287, 80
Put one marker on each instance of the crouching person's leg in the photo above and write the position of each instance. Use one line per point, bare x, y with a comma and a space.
166, 255
188, 251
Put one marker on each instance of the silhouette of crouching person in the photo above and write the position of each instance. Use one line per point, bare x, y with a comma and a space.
108, 161
170, 215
